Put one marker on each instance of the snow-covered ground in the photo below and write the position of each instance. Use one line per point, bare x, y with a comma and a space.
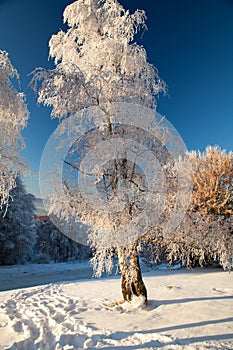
19, 276
187, 310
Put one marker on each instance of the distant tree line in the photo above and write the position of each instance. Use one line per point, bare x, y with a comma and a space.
53, 245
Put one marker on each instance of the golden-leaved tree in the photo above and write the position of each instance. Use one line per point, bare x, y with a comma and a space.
206, 232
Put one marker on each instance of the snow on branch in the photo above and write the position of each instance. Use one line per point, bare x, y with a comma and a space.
13, 118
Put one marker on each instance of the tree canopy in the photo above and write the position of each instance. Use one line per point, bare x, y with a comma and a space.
13, 118
97, 62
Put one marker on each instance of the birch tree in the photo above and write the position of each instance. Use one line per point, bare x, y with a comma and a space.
104, 92
13, 118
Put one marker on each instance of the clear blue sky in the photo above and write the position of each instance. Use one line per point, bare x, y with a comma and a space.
189, 41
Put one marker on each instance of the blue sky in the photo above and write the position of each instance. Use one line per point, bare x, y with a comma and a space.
189, 41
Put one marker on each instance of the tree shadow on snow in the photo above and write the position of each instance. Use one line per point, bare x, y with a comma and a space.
158, 343
154, 304
154, 344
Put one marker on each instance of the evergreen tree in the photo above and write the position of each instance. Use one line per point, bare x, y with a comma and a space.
17, 233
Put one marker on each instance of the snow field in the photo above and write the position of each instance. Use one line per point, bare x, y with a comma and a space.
187, 310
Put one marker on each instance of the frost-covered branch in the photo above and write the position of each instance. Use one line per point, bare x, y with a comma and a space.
13, 118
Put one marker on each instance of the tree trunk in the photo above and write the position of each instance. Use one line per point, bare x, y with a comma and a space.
131, 281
